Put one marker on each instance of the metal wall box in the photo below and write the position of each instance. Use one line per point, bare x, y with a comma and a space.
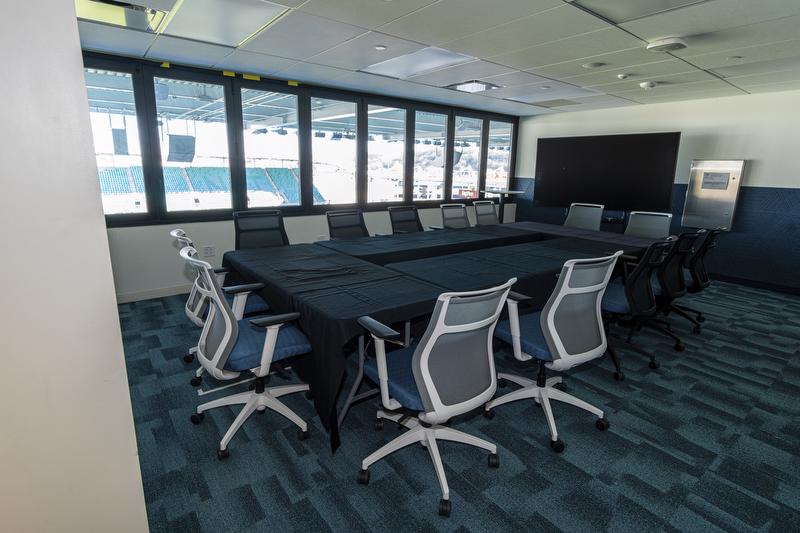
712, 193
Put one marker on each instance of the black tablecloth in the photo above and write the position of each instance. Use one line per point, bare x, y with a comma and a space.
553, 230
330, 291
384, 249
535, 265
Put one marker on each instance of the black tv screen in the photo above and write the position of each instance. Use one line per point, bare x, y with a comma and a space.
623, 172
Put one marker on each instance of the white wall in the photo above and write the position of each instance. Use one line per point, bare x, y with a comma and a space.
68, 459
146, 263
762, 128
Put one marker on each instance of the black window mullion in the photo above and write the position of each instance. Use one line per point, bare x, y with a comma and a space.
484, 157
306, 165
235, 127
408, 177
448, 165
144, 95
362, 127
512, 164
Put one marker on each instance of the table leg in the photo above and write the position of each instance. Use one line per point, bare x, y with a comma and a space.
352, 397
500, 209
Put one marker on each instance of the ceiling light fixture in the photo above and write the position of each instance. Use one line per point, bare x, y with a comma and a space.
593, 65
623, 76
545, 87
669, 44
647, 85
416, 63
735, 58
472, 86
381, 47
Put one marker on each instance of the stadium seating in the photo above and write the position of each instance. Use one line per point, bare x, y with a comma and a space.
209, 179
287, 183
114, 180
138, 178
257, 180
174, 180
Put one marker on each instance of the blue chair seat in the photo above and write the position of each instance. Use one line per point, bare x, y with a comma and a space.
246, 353
531, 339
255, 304
614, 299
402, 385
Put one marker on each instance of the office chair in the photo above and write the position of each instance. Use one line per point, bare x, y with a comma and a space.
569, 331
696, 275
484, 213
648, 224
631, 300
346, 224
584, 216
229, 346
259, 229
404, 219
448, 373
671, 278
454, 216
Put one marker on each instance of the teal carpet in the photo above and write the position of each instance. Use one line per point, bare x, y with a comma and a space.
709, 442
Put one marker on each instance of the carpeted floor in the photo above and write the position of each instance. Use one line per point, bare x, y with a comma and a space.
709, 442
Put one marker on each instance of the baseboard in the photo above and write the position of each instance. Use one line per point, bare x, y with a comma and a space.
756, 284
153, 293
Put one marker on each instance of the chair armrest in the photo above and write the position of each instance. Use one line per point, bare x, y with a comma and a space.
274, 320
237, 289
435, 227
519, 297
379, 330
221, 270
629, 258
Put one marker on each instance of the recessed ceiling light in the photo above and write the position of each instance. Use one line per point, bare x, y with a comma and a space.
623, 76
647, 85
416, 63
593, 65
735, 58
472, 86
545, 87
380, 47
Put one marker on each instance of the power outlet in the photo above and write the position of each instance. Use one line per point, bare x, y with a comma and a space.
209, 251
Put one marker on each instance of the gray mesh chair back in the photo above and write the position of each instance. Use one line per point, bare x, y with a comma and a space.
259, 229
639, 284
454, 216
404, 219
453, 363
346, 224
696, 264
670, 274
584, 216
648, 224
196, 304
221, 329
571, 321
485, 214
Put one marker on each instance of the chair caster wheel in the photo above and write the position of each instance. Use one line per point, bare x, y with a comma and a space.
444, 508
223, 454
303, 435
560, 386
494, 460
488, 415
654, 365
557, 445
697, 330
602, 424
619, 376
197, 418
196, 381
363, 477
679, 347
378, 425
188, 358
701, 318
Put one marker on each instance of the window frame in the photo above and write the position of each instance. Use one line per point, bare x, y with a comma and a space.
143, 73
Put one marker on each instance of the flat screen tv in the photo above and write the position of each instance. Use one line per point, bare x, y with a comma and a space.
623, 172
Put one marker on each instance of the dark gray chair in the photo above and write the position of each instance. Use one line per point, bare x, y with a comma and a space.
404, 219
449, 372
259, 229
569, 331
346, 224
485, 214
648, 224
454, 216
584, 216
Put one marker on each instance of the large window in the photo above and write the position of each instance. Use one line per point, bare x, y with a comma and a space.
116, 141
271, 148
333, 130
466, 158
430, 155
498, 159
194, 144
386, 148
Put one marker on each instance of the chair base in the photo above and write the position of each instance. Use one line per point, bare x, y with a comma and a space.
428, 437
259, 400
542, 396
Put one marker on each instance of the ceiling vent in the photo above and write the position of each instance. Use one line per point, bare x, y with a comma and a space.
670, 44
122, 14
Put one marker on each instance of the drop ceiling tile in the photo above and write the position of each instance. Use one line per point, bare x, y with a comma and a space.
515, 78
626, 10
360, 52
711, 17
288, 3
187, 52
766, 77
612, 62
558, 23
747, 55
569, 49
759, 67
448, 20
301, 35
717, 92
103, 38
310, 73
162, 5
672, 90
538, 95
254, 63
636, 73
548, 87
774, 87
692, 76
364, 13
475, 70
227, 22
720, 42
